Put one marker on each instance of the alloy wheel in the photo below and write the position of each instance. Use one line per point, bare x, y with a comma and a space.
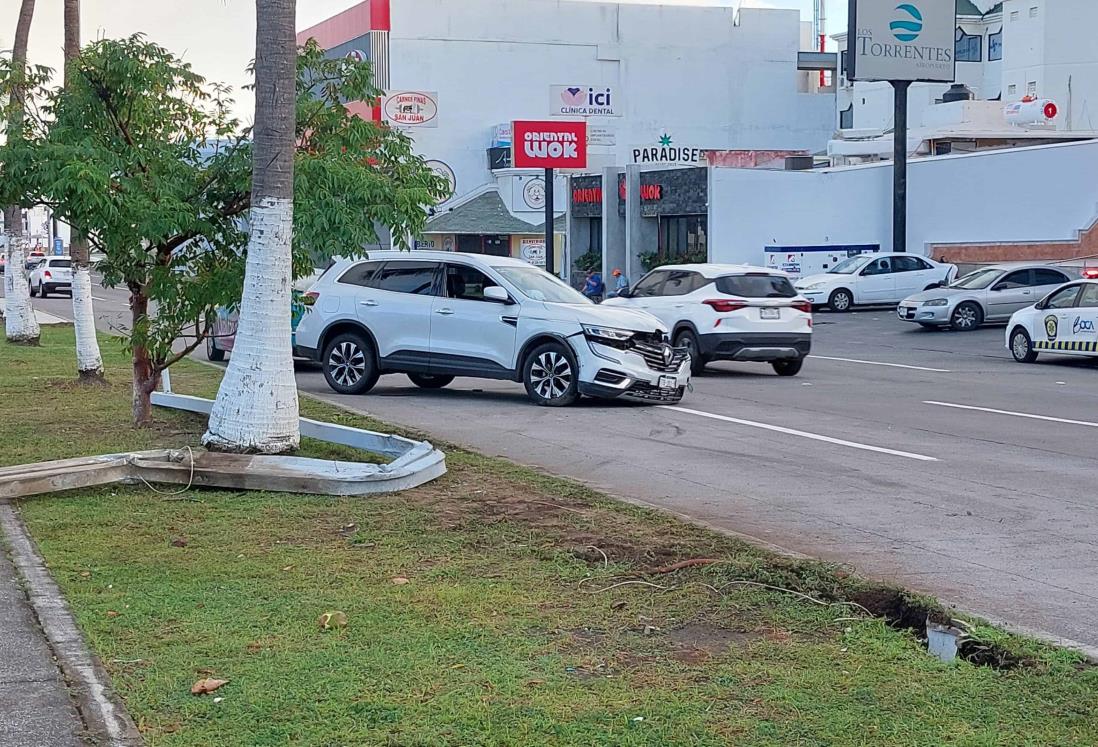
965, 317
551, 375
347, 364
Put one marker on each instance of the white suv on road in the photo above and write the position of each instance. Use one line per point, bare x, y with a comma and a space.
438, 315
727, 312
51, 275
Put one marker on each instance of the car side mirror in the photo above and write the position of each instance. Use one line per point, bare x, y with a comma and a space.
625, 293
497, 294
936, 285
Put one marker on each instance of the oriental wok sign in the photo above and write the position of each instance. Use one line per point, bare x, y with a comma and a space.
893, 40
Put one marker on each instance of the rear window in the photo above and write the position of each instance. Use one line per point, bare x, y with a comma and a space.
60, 263
756, 286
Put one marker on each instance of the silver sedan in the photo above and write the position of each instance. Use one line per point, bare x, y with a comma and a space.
990, 294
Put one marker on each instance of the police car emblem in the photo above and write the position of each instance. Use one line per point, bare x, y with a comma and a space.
1051, 327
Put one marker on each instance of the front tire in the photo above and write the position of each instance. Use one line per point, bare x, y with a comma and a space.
551, 376
788, 367
966, 317
350, 366
840, 300
687, 339
429, 381
1021, 347
213, 352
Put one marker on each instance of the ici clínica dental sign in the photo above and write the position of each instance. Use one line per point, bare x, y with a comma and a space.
893, 40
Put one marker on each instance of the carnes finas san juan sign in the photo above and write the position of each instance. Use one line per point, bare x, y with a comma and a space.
902, 41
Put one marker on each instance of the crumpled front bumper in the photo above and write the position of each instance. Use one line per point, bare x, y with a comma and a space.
611, 373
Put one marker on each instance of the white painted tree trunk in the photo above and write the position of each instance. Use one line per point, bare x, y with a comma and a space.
256, 408
89, 363
20, 324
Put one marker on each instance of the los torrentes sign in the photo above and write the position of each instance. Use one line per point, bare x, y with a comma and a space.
549, 145
902, 41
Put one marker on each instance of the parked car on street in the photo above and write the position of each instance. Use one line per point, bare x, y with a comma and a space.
437, 315
33, 258
222, 336
51, 275
990, 294
1065, 322
877, 278
727, 312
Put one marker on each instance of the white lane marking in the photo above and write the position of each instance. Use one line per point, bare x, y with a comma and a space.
802, 434
878, 363
1086, 423
97, 298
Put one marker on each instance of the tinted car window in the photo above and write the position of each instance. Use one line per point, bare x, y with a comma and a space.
1049, 277
1063, 299
1017, 279
650, 284
681, 282
880, 267
908, 264
61, 263
466, 282
361, 274
407, 277
756, 286
1090, 295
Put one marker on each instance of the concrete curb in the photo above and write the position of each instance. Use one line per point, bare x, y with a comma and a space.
104, 715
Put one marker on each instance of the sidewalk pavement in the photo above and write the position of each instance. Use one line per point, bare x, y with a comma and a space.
36, 709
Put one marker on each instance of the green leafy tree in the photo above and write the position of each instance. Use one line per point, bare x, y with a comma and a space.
142, 156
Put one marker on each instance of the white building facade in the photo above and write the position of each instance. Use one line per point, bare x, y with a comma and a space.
655, 83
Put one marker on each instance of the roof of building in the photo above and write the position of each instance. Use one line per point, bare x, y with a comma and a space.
558, 225
484, 214
967, 8
997, 8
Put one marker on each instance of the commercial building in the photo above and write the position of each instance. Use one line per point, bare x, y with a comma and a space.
658, 86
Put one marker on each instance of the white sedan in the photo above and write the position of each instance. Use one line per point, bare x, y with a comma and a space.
1064, 322
877, 278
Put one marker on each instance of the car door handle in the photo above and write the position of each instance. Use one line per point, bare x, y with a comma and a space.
370, 302
1027, 293
680, 306
445, 312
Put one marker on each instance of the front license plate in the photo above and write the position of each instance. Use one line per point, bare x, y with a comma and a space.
771, 314
668, 382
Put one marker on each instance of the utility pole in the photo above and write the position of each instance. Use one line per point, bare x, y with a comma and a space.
550, 234
899, 167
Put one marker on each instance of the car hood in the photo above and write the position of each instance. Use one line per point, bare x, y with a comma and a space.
952, 294
609, 316
821, 278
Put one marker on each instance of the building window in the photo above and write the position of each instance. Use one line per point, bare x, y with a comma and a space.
1033, 12
1031, 88
846, 118
594, 235
969, 47
842, 64
1012, 90
1013, 16
995, 46
684, 237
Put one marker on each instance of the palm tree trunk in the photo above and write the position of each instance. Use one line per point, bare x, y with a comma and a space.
256, 408
20, 326
89, 362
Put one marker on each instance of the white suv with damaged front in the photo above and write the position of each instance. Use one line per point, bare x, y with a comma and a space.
434, 316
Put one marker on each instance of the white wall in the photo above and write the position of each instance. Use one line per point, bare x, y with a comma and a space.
1044, 193
689, 71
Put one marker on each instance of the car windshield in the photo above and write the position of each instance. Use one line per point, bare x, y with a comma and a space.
849, 266
977, 280
540, 285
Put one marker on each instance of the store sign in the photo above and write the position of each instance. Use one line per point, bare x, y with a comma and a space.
501, 136
411, 108
533, 194
651, 192
533, 251
443, 169
583, 101
601, 137
587, 196
667, 152
549, 145
902, 41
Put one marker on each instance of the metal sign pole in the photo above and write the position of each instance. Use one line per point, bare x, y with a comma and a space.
899, 166
550, 264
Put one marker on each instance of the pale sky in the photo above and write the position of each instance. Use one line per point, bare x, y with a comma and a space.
218, 36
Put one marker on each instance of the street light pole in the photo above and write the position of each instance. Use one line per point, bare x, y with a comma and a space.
899, 166
550, 264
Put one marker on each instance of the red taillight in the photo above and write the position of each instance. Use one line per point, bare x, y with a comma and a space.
47, 274
723, 305
310, 298
1090, 273
804, 306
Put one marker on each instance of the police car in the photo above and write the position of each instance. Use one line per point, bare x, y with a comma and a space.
1065, 322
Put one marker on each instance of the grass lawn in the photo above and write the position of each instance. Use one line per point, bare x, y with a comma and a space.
478, 610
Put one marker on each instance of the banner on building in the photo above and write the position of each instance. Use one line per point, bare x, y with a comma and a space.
533, 251
549, 145
411, 108
902, 41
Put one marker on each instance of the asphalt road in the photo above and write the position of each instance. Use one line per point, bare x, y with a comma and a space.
927, 458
